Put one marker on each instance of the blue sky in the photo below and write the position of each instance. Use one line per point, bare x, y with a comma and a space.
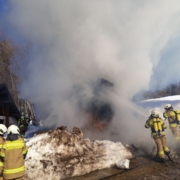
4, 6
5, 27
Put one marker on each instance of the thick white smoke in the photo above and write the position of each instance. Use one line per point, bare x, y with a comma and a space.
74, 43
167, 71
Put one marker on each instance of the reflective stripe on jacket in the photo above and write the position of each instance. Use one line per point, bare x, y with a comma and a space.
13, 153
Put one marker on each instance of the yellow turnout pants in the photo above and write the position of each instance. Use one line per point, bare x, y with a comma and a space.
161, 145
176, 133
1, 176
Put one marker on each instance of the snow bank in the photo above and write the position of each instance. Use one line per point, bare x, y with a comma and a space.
59, 154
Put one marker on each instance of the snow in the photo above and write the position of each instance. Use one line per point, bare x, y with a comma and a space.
59, 154
123, 164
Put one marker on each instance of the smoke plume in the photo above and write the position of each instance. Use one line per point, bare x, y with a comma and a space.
73, 44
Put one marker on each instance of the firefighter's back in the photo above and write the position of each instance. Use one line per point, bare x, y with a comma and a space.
13, 152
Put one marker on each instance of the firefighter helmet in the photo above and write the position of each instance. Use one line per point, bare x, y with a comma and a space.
13, 129
154, 113
3, 129
167, 106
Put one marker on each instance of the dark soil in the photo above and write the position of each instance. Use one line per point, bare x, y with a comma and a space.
141, 168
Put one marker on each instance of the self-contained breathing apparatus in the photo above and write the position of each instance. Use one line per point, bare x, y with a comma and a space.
177, 117
157, 127
177, 112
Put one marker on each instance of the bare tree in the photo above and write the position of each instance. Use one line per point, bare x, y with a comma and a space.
10, 55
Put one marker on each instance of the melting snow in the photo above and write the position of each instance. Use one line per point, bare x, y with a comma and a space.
59, 154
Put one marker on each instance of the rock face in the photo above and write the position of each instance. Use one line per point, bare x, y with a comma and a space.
59, 154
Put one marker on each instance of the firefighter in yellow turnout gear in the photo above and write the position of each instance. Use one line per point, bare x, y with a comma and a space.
172, 119
23, 125
158, 126
3, 130
13, 153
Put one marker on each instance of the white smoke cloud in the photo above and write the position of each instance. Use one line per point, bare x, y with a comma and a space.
74, 43
167, 70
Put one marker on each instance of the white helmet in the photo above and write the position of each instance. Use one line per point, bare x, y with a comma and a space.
167, 106
3, 129
13, 129
154, 113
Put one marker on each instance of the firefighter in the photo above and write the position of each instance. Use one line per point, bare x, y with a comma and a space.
158, 126
171, 116
13, 153
27, 118
23, 125
3, 130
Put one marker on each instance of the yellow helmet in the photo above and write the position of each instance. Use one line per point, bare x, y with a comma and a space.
154, 113
3, 129
167, 106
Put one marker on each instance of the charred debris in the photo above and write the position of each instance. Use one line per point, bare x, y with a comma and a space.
99, 109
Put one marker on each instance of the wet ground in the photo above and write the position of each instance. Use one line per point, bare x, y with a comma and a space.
141, 168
